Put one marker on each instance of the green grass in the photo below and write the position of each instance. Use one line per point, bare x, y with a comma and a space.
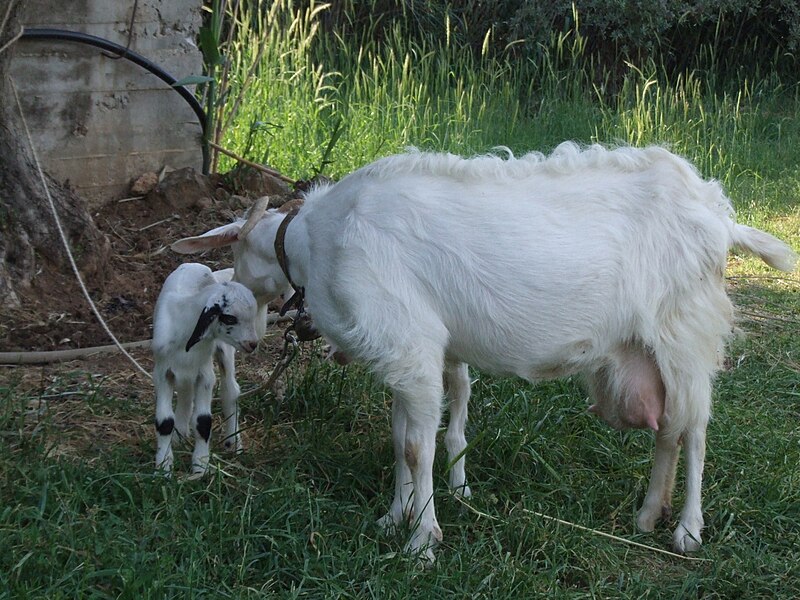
294, 516
82, 516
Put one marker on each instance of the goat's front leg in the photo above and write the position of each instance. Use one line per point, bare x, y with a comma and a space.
422, 402
229, 393
201, 419
165, 420
457, 390
400, 509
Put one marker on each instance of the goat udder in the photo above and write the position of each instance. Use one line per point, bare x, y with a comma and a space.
631, 395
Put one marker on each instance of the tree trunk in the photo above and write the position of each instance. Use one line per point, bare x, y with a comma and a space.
29, 238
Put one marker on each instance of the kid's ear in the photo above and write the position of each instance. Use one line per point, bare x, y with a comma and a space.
206, 318
216, 238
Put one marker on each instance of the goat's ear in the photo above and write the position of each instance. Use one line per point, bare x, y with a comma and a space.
206, 318
216, 238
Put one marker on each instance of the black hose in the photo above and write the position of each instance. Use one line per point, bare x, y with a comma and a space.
122, 52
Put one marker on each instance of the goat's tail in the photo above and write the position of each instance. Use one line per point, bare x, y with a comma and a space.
767, 247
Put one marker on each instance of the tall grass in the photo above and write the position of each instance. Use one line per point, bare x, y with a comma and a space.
304, 88
382, 96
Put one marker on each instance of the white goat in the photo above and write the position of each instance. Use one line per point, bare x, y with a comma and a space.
608, 263
200, 317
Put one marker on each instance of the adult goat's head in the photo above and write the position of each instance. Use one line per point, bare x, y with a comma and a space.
253, 241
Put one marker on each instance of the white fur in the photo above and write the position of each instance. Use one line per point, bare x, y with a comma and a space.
189, 292
604, 262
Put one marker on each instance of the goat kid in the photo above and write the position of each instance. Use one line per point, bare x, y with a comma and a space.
200, 317
607, 263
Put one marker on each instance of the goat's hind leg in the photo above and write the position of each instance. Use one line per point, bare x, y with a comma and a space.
688, 392
686, 537
657, 503
201, 419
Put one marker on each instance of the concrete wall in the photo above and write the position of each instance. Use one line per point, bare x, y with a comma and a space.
99, 122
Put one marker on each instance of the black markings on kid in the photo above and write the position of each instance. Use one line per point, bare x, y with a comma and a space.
204, 426
166, 426
229, 321
219, 357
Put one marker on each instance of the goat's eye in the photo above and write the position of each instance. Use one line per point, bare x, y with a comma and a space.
228, 320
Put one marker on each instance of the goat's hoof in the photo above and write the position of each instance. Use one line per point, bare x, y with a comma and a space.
646, 520
387, 524
164, 465
422, 545
426, 559
390, 522
648, 516
462, 491
685, 541
234, 445
199, 470
397, 515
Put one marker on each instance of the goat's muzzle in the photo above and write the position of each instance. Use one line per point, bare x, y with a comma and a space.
248, 345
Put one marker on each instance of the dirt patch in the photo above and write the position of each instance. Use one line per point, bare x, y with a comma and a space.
55, 315
103, 401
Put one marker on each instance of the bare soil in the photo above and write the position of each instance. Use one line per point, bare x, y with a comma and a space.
55, 315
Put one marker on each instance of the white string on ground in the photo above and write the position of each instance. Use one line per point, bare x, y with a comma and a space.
7, 45
610, 536
5, 20
14, 38
66, 242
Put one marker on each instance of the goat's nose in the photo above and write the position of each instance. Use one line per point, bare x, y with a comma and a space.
249, 346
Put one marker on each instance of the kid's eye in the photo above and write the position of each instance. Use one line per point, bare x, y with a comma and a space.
228, 320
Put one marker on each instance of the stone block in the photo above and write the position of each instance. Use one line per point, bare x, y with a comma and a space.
99, 121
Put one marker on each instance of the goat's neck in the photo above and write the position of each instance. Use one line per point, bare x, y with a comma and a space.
296, 244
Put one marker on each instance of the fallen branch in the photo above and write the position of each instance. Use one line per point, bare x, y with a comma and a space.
53, 356
250, 163
168, 219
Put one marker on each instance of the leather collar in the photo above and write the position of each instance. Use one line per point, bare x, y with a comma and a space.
302, 324
296, 301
